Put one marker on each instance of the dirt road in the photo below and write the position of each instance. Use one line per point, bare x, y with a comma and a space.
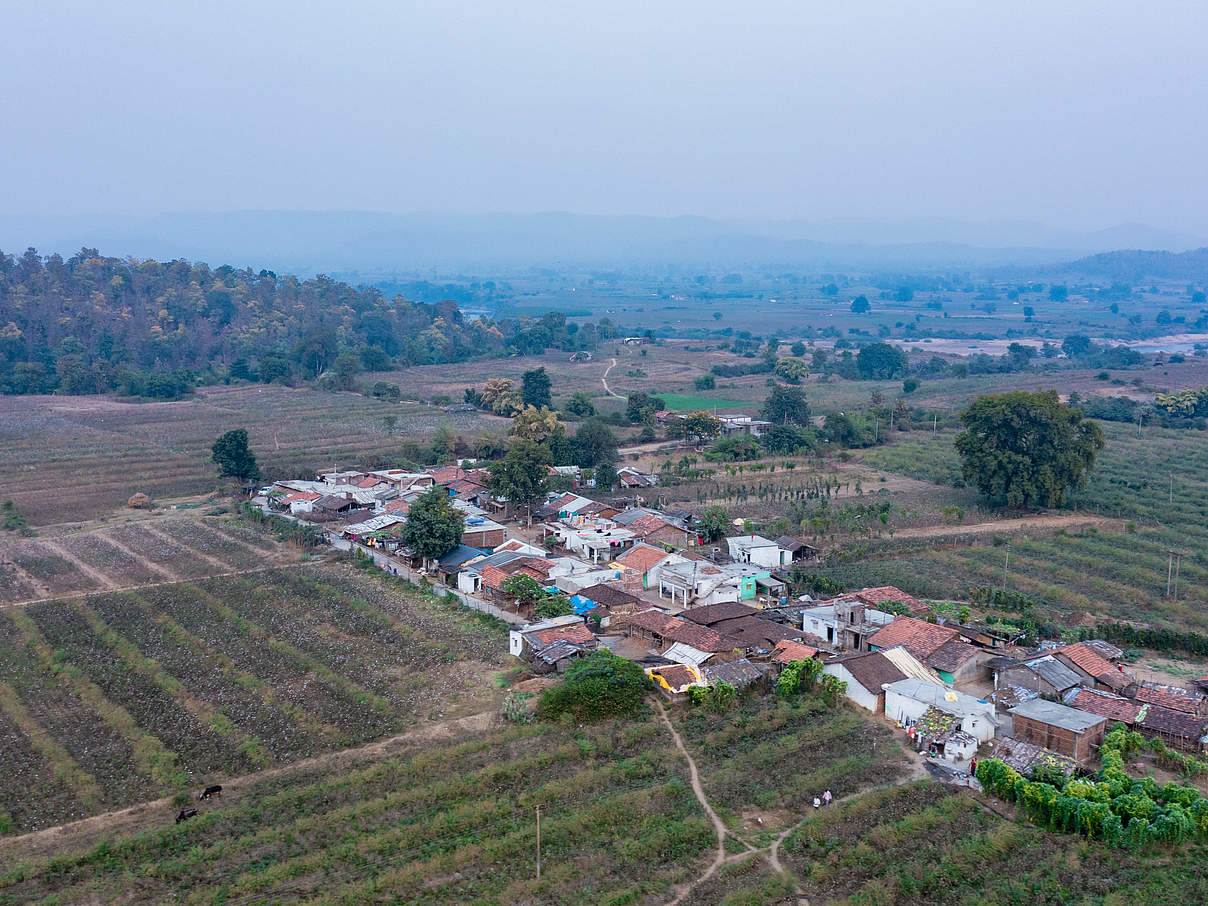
1045, 521
604, 381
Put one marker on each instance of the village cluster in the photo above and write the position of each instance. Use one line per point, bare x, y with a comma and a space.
643, 583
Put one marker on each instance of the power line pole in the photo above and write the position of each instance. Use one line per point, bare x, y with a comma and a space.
1169, 572
1178, 560
1172, 488
1005, 561
538, 843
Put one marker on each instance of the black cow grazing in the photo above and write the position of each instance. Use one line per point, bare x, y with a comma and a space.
186, 814
215, 790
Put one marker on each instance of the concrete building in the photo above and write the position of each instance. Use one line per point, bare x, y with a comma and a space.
906, 701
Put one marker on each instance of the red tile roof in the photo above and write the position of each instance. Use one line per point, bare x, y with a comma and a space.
951, 655
301, 495
641, 557
676, 630
1113, 707
883, 593
1173, 723
918, 637
493, 577
575, 632
788, 651
1086, 659
397, 507
649, 524
369, 482
1170, 697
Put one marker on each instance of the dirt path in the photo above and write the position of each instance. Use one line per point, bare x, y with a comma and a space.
92, 573
148, 816
719, 826
604, 381
1046, 521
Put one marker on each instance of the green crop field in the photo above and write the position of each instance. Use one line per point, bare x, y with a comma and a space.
679, 401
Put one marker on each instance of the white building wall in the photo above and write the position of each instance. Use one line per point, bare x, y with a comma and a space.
855, 692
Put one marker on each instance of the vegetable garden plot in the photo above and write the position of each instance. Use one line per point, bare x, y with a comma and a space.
95, 746
57, 574
202, 751
115, 563
241, 531
13, 586
162, 551
211, 543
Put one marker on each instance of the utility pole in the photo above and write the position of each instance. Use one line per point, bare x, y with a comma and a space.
1169, 572
935, 418
1172, 488
538, 843
1178, 560
1005, 561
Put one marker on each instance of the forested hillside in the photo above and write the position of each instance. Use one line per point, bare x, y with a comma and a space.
91, 324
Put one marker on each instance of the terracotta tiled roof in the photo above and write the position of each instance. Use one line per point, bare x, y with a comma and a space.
949, 656
708, 614
1113, 707
676, 630
641, 557
575, 632
1093, 664
754, 633
397, 507
650, 523
493, 577
1174, 723
788, 651
369, 482
917, 636
301, 495
1170, 697
883, 593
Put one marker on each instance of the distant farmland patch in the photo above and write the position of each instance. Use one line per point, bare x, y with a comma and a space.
681, 401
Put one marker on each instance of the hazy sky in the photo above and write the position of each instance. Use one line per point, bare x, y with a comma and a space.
1080, 113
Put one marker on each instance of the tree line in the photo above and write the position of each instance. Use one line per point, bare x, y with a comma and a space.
94, 324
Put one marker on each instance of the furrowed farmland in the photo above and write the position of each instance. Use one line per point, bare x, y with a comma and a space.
1153, 484
123, 696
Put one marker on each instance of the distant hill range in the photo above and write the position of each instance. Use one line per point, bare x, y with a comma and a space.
376, 245
1140, 266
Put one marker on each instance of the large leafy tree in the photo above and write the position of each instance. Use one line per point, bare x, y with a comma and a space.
1026, 449
640, 407
233, 457
699, 425
880, 361
535, 388
537, 425
714, 523
433, 525
594, 443
792, 369
786, 406
523, 475
600, 685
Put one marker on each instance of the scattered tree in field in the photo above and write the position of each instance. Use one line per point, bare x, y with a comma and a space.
1026, 449
594, 443
880, 362
580, 404
718, 697
714, 523
11, 519
1077, 346
697, 426
535, 386
233, 458
788, 440
786, 406
860, 305
792, 369
798, 349
640, 407
501, 397
601, 685
388, 422
704, 382
522, 476
433, 526
798, 677
138, 501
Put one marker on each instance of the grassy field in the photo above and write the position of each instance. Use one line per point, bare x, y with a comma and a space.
680, 401
70, 459
619, 824
921, 843
114, 698
1117, 574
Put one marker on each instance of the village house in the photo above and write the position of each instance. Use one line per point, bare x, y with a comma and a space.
846, 624
638, 561
1088, 663
799, 551
674, 680
739, 673
907, 700
757, 550
1066, 731
1104, 704
742, 424
742, 627
938, 647
1181, 730
661, 630
884, 594
1172, 697
629, 477
1045, 677
685, 579
482, 532
655, 528
866, 675
524, 641
789, 650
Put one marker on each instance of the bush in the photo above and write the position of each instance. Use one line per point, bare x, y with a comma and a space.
601, 685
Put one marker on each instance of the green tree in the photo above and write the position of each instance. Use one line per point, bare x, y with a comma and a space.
433, 526
714, 523
792, 369
1077, 346
640, 407
1026, 449
699, 425
580, 404
880, 362
525, 589
787, 440
535, 388
233, 458
704, 382
786, 406
522, 477
798, 677
606, 475
553, 606
594, 443
537, 425
599, 686
860, 305
798, 349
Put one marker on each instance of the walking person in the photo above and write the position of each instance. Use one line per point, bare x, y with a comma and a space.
826, 797
817, 802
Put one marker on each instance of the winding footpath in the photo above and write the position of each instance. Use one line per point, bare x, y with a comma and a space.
604, 381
